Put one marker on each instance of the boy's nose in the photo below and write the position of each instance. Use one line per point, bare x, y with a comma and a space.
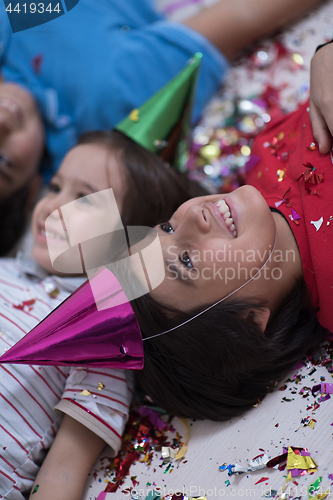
196, 220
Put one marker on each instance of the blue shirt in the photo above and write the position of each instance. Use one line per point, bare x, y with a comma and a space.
90, 67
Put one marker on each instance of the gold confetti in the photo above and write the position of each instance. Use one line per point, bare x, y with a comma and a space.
299, 461
298, 59
181, 453
280, 174
311, 424
246, 150
210, 151
134, 115
280, 136
85, 393
100, 386
259, 174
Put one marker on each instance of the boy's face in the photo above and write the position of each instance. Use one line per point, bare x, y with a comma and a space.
21, 138
211, 248
85, 170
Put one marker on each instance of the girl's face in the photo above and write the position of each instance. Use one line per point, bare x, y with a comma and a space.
86, 169
214, 244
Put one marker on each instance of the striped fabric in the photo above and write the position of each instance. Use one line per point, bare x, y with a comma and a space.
33, 398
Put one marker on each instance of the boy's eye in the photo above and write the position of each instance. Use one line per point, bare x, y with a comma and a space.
185, 260
166, 227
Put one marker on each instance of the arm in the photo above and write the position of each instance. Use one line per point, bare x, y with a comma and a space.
321, 97
231, 25
66, 466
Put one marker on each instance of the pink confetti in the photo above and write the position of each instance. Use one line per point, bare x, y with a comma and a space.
102, 495
295, 214
326, 388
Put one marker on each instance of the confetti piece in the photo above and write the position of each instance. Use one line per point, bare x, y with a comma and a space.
270, 494
317, 223
153, 495
35, 489
168, 453
312, 146
326, 388
302, 462
280, 174
298, 59
100, 386
134, 115
37, 63
154, 417
85, 393
262, 480
102, 495
315, 486
183, 450
312, 423
227, 482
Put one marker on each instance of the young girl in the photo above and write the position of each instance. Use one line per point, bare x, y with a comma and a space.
34, 398
261, 256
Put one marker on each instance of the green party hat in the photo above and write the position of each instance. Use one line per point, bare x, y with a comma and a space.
163, 121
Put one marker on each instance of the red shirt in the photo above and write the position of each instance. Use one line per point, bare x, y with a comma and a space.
306, 192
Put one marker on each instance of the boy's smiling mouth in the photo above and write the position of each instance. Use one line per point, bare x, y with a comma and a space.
220, 208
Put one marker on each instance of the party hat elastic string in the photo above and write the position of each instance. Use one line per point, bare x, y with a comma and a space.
219, 301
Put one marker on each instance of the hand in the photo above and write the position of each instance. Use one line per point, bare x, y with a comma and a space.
321, 97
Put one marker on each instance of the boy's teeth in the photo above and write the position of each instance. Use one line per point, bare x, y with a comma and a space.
225, 212
223, 207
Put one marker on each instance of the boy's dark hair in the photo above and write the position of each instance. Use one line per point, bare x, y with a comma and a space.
13, 219
154, 191
14, 212
220, 364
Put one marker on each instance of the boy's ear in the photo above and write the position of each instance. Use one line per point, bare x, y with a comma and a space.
33, 191
259, 316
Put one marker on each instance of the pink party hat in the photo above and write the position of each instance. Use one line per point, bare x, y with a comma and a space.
88, 329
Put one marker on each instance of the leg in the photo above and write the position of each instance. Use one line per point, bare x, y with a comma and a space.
233, 24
